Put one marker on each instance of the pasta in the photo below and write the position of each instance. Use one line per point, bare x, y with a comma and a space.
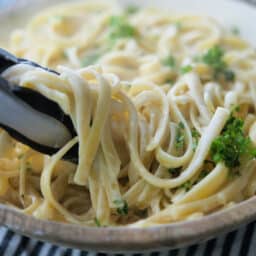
164, 110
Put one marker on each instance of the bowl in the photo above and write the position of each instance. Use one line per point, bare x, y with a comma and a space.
122, 239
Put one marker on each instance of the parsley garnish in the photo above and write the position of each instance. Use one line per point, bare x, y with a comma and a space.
169, 61
209, 162
178, 25
122, 207
120, 28
214, 58
232, 144
229, 75
175, 172
187, 185
196, 137
180, 138
202, 175
234, 173
65, 54
90, 59
186, 69
170, 82
235, 109
20, 156
56, 18
97, 222
131, 9
141, 213
235, 30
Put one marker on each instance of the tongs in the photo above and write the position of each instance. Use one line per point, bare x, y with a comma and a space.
30, 117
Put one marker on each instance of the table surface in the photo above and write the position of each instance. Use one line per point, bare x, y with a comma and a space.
240, 242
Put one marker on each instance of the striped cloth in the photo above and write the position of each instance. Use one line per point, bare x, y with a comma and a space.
237, 243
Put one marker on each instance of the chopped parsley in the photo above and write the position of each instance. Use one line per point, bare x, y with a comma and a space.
229, 75
65, 54
186, 69
214, 58
202, 175
235, 109
56, 18
187, 185
97, 222
169, 61
180, 137
197, 58
141, 213
131, 9
170, 82
90, 59
175, 172
178, 25
232, 144
235, 30
120, 28
209, 162
20, 156
234, 173
28, 167
122, 207
196, 137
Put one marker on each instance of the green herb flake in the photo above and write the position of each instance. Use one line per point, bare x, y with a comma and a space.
29, 167
122, 207
178, 25
202, 175
170, 82
186, 69
56, 18
120, 28
180, 137
235, 30
209, 162
233, 173
65, 54
169, 61
131, 9
235, 110
195, 137
141, 213
229, 75
90, 59
175, 172
197, 58
187, 185
97, 222
214, 58
232, 144
20, 156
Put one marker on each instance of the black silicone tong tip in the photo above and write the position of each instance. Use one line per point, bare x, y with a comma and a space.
44, 105
41, 103
7, 60
31, 101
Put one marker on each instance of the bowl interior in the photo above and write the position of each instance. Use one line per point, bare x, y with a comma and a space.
228, 13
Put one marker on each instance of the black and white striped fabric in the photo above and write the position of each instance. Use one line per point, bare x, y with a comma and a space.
236, 243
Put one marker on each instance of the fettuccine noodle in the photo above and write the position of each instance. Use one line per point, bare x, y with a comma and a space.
147, 108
